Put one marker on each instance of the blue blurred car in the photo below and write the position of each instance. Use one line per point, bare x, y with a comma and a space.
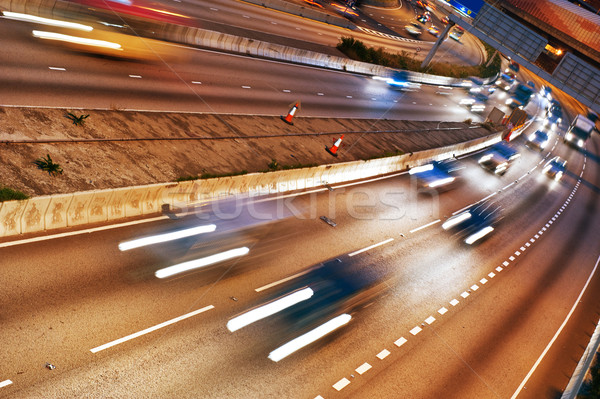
474, 223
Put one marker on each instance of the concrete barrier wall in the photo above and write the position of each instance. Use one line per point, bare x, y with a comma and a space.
77, 209
303, 12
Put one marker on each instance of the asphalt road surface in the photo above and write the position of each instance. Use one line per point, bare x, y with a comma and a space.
38, 73
502, 300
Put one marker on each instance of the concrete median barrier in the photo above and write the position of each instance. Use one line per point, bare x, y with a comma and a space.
98, 207
56, 212
33, 219
10, 217
77, 209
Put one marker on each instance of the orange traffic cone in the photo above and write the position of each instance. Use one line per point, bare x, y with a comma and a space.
334, 148
288, 118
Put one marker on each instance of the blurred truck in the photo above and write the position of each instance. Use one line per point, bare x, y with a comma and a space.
580, 130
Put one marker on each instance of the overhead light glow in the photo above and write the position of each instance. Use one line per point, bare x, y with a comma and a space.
46, 21
76, 40
310, 337
480, 234
269, 309
202, 262
160, 238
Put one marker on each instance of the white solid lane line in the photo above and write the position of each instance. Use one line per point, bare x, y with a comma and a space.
562, 326
371, 247
151, 329
283, 280
73, 233
425, 226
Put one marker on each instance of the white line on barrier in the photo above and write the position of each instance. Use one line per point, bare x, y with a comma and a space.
73, 233
151, 329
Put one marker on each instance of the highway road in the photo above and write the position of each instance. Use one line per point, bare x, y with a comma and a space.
247, 20
502, 301
454, 321
36, 73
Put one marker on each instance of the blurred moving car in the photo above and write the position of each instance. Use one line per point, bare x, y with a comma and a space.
513, 66
546, 92
313, 3
424, 18
538, 140
445, 20
555, 168
314, 304
434, 30
456, 34
474, 223
476, 101
506, 81
110, 43
553, 116
413, 29
487, 90
399, 81
438, 175
498, 158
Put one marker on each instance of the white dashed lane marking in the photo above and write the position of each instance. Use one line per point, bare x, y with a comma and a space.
57, 68
416, 330
341, 384
363, 368
429, 320
5, 383
135, 76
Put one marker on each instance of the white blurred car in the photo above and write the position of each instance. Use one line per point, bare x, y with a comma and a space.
555, 168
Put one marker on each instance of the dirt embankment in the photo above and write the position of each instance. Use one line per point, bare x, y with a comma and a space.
122, 148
